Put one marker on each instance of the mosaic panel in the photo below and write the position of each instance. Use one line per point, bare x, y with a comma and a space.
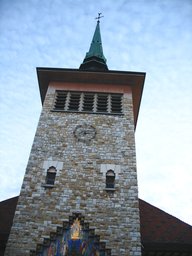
73, 242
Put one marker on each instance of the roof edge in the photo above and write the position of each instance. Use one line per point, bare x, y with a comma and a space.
134, 79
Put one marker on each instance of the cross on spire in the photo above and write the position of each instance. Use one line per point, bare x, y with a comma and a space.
94, 58
99, 17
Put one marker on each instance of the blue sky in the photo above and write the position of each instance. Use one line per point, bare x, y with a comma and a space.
152, 36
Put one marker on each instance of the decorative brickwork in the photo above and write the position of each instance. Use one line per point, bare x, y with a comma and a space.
80, 184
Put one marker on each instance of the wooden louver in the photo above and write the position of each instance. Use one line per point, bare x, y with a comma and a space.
88, 102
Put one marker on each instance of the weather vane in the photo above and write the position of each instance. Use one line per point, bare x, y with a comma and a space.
99, 17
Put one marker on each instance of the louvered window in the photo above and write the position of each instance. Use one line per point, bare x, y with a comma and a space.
102, 103
60, 100
116, 104
74, 101
88, 102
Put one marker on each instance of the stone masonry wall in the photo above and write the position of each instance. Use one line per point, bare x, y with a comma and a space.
80, 184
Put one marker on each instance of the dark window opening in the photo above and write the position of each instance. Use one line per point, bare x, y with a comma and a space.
110, 182
50, 179
110, 179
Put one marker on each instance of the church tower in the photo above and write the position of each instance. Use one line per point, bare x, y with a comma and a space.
79, 194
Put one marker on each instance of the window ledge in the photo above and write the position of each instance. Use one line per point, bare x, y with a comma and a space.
110, 189
87, 112
48, 186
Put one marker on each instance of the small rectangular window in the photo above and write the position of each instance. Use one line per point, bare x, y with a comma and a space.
110, 181
50, 178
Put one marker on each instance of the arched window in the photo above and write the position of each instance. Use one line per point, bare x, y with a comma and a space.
50, 179
110, 180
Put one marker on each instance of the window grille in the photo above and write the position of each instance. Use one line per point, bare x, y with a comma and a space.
88, 102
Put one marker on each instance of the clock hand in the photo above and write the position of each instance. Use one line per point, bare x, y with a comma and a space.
89, 131
85, 132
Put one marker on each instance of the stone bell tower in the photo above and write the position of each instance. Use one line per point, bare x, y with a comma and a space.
79, 194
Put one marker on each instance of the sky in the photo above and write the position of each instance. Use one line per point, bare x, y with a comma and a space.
152, 36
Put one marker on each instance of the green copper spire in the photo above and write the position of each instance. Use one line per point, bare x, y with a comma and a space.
94, 59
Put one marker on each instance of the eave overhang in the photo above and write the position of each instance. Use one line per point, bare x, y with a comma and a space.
133, 79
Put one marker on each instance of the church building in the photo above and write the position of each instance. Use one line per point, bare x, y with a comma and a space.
79, 194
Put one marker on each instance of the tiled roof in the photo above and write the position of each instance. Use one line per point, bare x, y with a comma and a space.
159, 226
7, 210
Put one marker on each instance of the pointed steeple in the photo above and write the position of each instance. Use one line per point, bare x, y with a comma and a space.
95, 59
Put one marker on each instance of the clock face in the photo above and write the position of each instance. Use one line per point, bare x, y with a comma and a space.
84, 132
